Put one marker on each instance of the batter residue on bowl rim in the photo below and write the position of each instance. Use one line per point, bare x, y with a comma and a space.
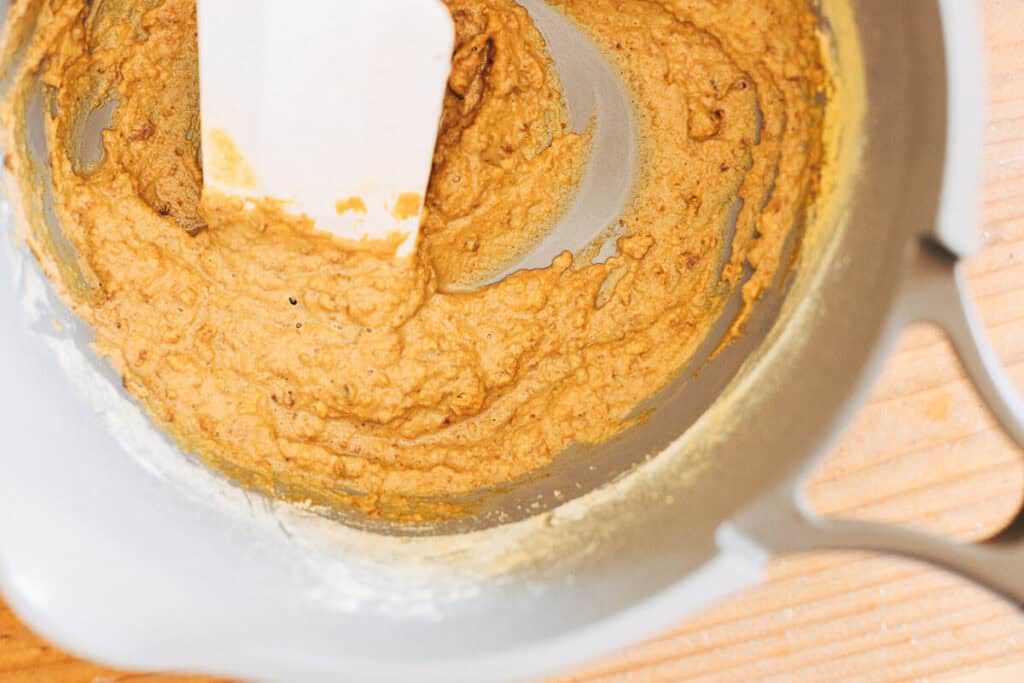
295, 362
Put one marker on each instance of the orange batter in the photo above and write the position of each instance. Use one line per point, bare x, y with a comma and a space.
304, 365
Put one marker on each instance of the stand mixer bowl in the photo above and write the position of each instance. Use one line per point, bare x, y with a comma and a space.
102, 515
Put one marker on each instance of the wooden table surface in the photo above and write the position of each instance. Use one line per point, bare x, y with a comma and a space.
924, 452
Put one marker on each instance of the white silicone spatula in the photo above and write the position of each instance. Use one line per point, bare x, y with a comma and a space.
331, 106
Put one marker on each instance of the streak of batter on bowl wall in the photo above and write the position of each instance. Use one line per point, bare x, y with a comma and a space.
297, 363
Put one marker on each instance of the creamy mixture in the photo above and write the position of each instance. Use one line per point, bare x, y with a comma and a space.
298, 363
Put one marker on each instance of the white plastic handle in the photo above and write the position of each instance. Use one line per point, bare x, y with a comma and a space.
782, 522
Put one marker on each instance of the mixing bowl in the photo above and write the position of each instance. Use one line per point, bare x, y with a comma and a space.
117, 546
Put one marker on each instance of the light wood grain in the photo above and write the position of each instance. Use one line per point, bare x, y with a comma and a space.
924, 453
